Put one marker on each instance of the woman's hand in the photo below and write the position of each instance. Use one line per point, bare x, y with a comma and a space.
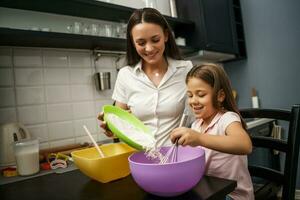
185, 136
103, 125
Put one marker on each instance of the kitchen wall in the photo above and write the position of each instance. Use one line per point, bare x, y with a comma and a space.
272, 31
52, 92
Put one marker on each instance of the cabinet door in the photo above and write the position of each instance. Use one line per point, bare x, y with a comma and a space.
214, 24
218, 25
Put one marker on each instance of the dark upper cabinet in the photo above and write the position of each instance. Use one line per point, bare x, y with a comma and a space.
80, 8
218, 25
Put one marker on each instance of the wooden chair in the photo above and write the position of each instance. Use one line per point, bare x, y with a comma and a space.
276, 178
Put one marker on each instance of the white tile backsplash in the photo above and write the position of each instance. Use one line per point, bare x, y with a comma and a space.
59, 112
85, 139
81, 92
90, 124
56, 76
106, 62
39, 132
44, 145
7, 97
5, 57
55, 58
62, 142
104, 94
52, 92
58, 94
8, 115
32, 114
80, 59
83, 110
30, 95
100, 104
81, 76
6, 77
27, 77
61, 130
25, 57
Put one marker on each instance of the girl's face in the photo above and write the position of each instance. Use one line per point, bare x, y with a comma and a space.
200, 96
149, 40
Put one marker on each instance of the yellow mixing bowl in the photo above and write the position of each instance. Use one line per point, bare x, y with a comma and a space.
113, 166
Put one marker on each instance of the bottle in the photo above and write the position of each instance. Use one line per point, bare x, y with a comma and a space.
255, 103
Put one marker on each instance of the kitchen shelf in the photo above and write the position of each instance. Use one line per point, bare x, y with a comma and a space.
79, 8
29, 38
88, 9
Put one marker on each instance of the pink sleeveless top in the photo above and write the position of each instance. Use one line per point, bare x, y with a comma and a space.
225, 165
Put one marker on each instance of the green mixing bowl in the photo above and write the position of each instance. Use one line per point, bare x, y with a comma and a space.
130, 118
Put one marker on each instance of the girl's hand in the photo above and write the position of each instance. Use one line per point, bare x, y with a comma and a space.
185, 136
103, 125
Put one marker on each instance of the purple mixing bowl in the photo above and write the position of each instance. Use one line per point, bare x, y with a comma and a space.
169, 179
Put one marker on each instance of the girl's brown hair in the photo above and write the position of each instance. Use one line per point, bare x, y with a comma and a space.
217, 78
149, 15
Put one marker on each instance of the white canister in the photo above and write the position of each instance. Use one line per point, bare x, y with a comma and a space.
27, 157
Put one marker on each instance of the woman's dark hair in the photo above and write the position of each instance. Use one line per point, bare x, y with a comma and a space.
149, 15
217, 78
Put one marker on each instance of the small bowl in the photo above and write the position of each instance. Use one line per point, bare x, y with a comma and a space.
112, 167
169, 179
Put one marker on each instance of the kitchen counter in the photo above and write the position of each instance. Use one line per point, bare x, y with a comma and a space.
75, 185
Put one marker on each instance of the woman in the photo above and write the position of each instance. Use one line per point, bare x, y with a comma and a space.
152, 84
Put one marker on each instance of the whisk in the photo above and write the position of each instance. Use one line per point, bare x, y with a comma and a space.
173, 151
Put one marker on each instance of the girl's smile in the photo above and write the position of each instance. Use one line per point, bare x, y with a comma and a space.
200, 95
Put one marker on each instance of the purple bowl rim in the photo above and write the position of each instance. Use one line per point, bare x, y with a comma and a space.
151, 164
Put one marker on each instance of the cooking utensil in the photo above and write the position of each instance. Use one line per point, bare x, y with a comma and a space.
170, 179
94, 142
172, 152
111, 167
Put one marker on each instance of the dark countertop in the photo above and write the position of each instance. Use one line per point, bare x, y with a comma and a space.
75, 185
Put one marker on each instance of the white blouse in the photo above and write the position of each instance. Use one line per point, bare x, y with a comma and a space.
160, 108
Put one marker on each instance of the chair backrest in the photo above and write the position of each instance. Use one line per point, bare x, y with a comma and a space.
287, 177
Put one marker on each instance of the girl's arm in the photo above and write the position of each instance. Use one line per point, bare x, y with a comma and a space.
235, 141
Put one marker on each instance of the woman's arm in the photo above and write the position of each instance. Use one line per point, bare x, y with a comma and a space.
121, 105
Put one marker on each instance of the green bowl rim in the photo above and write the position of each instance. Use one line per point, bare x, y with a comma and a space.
133, 120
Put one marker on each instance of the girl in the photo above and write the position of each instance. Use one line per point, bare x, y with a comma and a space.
218, 128
152, 84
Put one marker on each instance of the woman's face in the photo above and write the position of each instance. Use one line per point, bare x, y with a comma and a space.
149, 40
200, 95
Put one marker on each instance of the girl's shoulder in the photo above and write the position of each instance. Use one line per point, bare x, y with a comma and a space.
227, 118
230, 115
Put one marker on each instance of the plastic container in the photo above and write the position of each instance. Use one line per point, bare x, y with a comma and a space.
130, 118
169, 179
112, 167
27, 157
